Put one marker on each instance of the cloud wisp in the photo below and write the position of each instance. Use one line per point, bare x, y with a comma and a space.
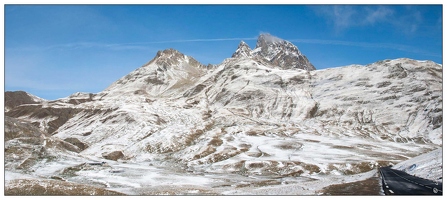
343, 17
120, 46
347, 16
201, 40
398, 47
377, 14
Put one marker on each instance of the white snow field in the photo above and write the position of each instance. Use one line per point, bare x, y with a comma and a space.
427, 166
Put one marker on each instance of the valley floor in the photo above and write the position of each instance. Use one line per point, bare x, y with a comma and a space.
144, 179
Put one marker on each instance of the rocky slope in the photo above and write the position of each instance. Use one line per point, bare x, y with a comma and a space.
26, 145
264, 112
17, 98
275, 52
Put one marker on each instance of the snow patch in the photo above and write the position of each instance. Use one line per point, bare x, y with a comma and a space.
427, 166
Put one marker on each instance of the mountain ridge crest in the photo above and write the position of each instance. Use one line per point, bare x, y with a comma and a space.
276, 52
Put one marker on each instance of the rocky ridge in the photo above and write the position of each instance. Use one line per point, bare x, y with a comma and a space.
14, 99
275, 52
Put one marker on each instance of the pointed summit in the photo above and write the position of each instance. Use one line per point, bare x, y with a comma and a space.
243, 50
168, 52
280, 53
172, 57
170, 72
269, 46
268, 40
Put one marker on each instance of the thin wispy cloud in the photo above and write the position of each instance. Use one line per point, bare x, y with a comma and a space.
120, 46
82, 45
379, 14
411, 22
201, 40
398, 47
348, 16
144, 45
343, 17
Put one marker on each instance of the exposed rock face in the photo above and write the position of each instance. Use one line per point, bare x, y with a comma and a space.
171, 57
115, 155
281, 53
26, 145
15, 128
47, 118
17, 98
275, 52
243, 50
79, 97
77, 142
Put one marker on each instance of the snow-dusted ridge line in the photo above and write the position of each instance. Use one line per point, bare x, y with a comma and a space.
276, 52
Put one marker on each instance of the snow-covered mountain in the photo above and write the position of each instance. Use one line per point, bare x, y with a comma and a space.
265, 111
275, 52
168, 74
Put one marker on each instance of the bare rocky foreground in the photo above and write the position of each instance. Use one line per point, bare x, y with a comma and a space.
369, 186
30, 187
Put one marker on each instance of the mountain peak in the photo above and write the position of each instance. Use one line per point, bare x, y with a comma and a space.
276, 51
266, 38
165, 74
243, 50
268, 46
243, 44
168, 53
171, 57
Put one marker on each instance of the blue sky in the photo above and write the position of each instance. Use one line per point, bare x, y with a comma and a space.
53, 51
